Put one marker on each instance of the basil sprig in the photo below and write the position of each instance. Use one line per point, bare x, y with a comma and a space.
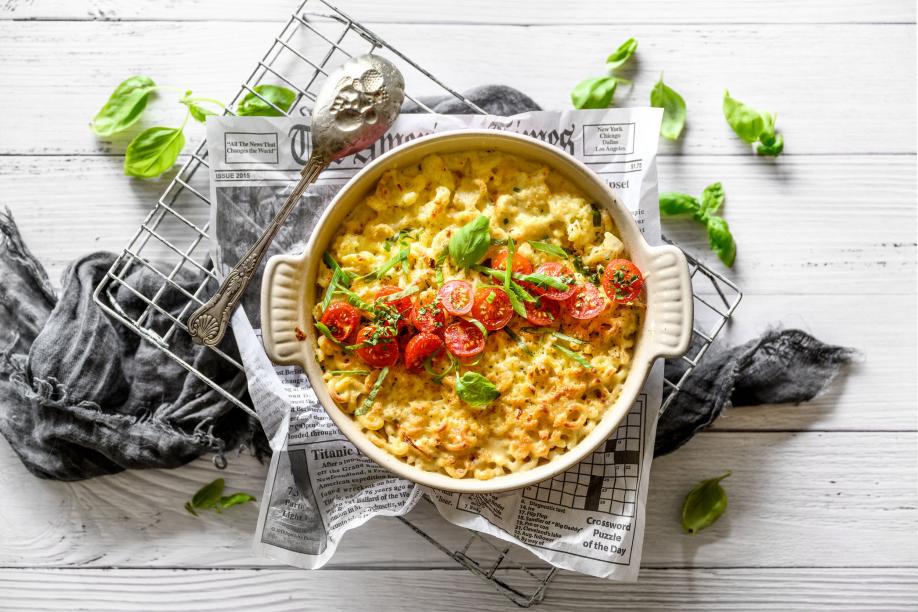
665, 97
210, 496
470, 242
753, 126
475, 390
156, 149
719, 237
598, 92
704, 504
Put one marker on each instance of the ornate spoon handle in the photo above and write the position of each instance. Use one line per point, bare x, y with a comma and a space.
208, 324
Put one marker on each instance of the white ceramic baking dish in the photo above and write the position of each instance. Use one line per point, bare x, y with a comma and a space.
289, 294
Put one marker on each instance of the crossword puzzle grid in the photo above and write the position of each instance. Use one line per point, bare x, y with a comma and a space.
607, 480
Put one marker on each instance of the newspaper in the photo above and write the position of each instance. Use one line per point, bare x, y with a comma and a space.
589, 519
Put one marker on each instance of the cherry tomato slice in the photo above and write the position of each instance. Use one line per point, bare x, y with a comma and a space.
563, 274
456, 297
622, 281
429, 317
402, 305
492, 308
342, 320
542, 312
420, 348
380, 355
464, 339
587, 302
521, 264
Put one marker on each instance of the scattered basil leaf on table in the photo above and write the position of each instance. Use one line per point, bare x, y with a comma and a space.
753, 126
704, 504
234, 500
622, 54
153, 151
595, 92
124, 106
196, 109
719, 237
470, 242
210, 496
253, 105
663, 96
475, 390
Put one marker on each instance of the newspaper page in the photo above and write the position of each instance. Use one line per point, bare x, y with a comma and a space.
589, 519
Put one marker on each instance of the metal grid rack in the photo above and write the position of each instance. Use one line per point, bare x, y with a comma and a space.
175, 233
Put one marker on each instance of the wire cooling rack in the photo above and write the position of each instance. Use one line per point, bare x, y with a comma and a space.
173, 241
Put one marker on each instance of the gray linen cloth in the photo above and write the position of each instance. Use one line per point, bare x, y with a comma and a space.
82, 396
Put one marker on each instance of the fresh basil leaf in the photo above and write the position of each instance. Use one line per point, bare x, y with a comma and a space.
704, 504
197, 111
234, 499
153, 151
622, 54
721, 240
573, 355
209, 495
663, 96
712, 198
251, 105
595, 92
124, 106
672, 204
190, 508
475, 390
368, 402
771, 150
547, 247
470, 242
747, 122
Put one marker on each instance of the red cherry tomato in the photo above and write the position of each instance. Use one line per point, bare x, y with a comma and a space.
420, 348
464, 339
587, 302
429, 317
402, 305
456, 297
492, 308
342, 320
380, 355
542, 312
622, 281
563, 274
521, 265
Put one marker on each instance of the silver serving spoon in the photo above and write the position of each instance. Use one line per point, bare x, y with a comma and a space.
355, 106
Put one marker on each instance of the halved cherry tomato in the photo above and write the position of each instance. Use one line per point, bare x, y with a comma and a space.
429, 317
420, 348
587, 302
542, 312
563, 274
380, 355
456, 297
464, 339
402, 305
622, 281
342, 320
493, 312
521, 265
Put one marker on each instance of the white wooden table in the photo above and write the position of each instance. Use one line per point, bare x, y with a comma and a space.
823, 496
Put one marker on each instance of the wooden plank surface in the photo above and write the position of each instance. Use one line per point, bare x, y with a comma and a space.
797, 499
63, 75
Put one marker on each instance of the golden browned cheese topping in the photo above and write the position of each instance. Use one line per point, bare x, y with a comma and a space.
549, 400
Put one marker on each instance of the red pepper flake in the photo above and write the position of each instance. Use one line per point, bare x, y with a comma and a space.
299, 334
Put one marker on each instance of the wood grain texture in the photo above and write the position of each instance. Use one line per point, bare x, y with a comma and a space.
796, 500
519, 12
283, 590
65, 74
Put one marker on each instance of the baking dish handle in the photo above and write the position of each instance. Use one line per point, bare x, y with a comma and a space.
671, 310
280, 304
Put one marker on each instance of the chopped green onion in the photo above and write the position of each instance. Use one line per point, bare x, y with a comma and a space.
401, 294
498, 242
354, 347
439, 263
479, 325
491, 297
330, 290
368, 402
438, 378
355, 300
516, 338
547, 247
348, 372
536, 278
567, 338
401, 256
597, 216
322, 327
347, 277
573, 355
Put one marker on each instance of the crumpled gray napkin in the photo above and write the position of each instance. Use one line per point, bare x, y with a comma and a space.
81, 395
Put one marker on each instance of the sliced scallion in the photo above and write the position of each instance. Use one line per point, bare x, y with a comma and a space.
368, 402
572, 355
